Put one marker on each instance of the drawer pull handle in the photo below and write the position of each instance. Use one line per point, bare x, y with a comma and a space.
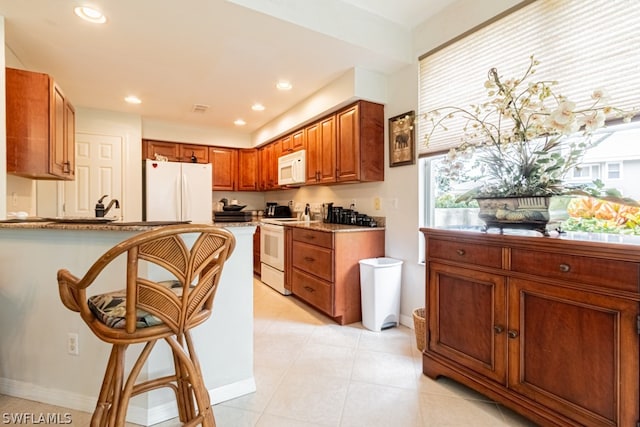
310, 236
460, 252
498, 329
309, 259
565, 268
309, 289
512, 333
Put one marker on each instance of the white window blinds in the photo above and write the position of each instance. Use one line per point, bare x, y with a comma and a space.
583, 45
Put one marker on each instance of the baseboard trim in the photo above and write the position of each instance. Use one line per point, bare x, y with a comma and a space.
135, 414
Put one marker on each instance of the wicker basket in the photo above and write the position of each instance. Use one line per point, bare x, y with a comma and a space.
419, 324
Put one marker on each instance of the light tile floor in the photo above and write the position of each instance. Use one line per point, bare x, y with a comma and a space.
311, 372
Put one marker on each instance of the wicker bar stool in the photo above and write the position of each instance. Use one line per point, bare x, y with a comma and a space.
146, 311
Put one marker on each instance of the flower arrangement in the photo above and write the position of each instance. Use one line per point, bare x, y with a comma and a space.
524, 140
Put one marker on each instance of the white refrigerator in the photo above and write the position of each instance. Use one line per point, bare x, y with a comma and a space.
178, 192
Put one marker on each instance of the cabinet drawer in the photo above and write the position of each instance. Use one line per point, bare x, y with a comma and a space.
319, 238
313, 259
622, 275
468, 253
314, 291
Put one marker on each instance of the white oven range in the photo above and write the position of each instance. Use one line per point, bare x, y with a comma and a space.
272, 249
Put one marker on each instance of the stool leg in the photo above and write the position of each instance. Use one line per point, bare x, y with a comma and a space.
104, 414
127, 391
196, 388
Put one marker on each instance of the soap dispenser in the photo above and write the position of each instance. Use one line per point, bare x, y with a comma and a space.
100, 207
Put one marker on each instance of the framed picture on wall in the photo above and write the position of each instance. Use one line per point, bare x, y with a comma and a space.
402, 140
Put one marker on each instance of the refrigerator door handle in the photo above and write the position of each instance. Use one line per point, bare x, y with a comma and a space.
186, 202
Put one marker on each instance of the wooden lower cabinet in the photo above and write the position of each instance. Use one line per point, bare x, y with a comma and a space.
322, 268
560, 350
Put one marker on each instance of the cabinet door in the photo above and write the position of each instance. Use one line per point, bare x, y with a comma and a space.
348, 149
169, 150
575, 352
286, 144
247, 170
187, 151
467, 319
224, 163
70, 140
327, 150
312, 135
57, 149
297, 140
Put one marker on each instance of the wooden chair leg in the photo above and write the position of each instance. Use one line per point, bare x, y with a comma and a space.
129, 387
196, 387
100, 416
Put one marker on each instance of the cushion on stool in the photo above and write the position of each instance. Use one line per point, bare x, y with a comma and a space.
110, 308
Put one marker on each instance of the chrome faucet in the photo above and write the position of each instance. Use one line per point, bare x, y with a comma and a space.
101, 210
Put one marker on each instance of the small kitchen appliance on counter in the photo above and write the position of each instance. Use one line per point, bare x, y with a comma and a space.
273, 210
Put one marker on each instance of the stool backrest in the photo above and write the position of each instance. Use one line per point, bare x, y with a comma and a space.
195, 267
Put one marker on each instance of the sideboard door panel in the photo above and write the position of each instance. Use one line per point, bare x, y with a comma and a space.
467, 307
580, 352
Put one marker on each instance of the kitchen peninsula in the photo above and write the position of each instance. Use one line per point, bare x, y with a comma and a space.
34, 360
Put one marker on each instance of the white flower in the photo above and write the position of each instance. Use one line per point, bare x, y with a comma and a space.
593, 121
599, 94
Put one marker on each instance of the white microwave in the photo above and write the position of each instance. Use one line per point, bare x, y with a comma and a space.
292, 168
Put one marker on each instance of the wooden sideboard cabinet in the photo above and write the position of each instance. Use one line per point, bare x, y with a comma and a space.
324, 269
547, 326
40, 127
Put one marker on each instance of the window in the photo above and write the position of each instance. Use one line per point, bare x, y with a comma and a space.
614, 170
586, 172
575, 45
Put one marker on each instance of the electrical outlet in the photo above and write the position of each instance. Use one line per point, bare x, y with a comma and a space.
352, 204
376, 203
72, 344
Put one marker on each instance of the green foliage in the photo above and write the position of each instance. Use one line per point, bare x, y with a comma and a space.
449, 200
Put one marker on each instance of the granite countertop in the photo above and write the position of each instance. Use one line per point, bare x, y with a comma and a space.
110, 226
332, 228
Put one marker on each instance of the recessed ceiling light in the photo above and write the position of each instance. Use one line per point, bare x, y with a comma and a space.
90, 14
131, 99
284, 85
257, 107
239, 122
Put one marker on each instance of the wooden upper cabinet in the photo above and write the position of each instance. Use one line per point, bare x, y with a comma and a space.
298, 141
360, 143
286, 144
225, 169
186, 153
321, 151
247, 170
40, 123
170, 150
293, 142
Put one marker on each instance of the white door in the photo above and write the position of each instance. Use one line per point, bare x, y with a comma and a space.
163, 191
98, 172
196, 193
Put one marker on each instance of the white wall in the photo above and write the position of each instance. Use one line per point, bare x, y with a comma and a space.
175, 132
352, 85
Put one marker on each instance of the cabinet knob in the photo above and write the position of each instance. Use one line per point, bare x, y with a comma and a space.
498, 329
565, 268
309, 259
512, 333
460, 252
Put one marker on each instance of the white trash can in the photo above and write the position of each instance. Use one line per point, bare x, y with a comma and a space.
380, 292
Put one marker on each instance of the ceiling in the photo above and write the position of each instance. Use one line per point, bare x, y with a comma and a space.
225, 54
